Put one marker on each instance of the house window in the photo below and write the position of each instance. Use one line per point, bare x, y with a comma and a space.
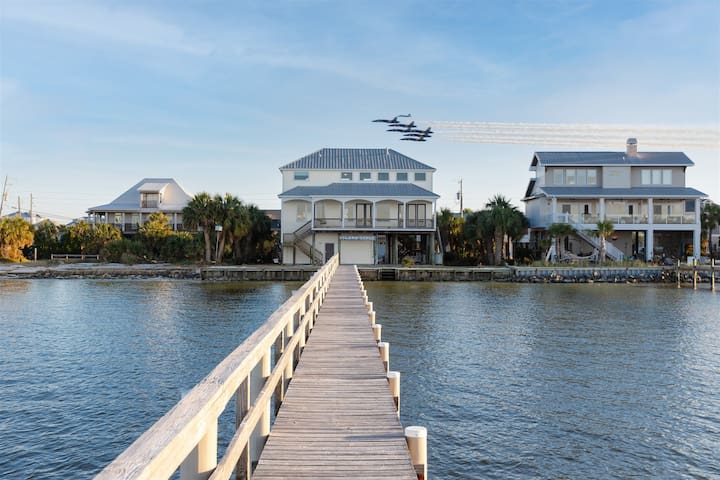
645, 177
558, 176
149, 200
383, 176
586, 209
630, 209
118, 219
401, 177
419, 176
591, 176
656, 177
345, 175
566, 208
364, 176
689, 206
667, 177
570, 176
581, 176
301, 175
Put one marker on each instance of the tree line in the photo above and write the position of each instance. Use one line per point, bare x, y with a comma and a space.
246, 236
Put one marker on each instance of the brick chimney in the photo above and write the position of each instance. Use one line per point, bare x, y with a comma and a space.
631, 150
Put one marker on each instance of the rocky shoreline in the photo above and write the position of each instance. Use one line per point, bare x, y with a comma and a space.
658, 275
100, 270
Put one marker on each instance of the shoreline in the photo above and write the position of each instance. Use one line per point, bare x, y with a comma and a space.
512, 274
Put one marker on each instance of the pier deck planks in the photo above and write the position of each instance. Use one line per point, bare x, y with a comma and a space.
338, 419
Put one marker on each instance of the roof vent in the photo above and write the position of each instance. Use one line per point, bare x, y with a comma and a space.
631, 150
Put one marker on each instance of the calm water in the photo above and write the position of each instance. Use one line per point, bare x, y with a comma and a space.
512, 381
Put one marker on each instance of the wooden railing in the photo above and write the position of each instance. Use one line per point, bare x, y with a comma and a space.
73, 256
186, 437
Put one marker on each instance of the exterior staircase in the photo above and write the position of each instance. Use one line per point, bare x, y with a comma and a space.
298, 239
611, 251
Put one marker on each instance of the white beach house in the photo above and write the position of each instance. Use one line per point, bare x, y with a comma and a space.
133, 207
642, 193
370, 205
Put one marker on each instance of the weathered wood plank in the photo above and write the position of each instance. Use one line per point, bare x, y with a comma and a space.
338, 419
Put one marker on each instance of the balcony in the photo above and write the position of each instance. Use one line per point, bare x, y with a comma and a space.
684, 219
331, 223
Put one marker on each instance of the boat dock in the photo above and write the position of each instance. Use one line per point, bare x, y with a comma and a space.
319, 368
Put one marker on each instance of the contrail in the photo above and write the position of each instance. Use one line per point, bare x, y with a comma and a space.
577, 135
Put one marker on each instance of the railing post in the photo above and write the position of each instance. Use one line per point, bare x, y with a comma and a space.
377, 332
712, 274
416, 438
262, 430
385, 354
394, 384
371, 316
242, 405
202, 460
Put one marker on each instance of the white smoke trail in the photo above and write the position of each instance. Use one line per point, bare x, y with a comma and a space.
578, 135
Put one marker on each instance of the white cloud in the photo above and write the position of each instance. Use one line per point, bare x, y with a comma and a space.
116, 24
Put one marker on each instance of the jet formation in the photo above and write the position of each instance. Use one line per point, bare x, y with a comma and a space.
410, 130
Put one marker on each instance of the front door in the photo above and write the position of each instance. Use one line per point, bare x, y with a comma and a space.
329, 251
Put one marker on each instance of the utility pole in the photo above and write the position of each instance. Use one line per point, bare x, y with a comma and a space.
4, 195
460, 197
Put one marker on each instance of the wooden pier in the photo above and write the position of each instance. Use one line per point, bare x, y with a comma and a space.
338, 419
336, 406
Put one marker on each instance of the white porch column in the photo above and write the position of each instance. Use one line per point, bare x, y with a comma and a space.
602, 209
697, 230
123, 220
553, 210
312, 213
404, 215
651, 208
342, 214
374, 213
649, 243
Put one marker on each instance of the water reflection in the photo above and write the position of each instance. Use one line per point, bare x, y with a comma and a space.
552, 381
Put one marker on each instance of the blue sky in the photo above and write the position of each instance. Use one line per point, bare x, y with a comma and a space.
97, 95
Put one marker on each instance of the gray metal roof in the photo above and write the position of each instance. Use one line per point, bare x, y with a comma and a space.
358, 190
611, 158
176, 197
655, 192
356, 159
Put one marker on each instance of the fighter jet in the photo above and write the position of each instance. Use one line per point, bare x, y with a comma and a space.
420, 133
402, 127
392, 121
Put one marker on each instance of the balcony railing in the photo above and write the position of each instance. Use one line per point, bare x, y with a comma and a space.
380, 223
627, 219
685, 219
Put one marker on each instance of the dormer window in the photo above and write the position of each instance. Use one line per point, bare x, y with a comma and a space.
383, 176
346, 175
301, 175
401, 177
419, 176
365, 176
149, 200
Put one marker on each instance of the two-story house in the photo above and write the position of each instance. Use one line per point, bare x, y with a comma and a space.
132, 208
370, 205
643, 194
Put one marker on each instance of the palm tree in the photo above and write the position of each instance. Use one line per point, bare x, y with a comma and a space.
478, 231
605, 228
710, 218
199, 212
508, 222
15, 234
450, 227
559, 231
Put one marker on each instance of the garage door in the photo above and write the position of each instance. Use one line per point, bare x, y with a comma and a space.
358, 252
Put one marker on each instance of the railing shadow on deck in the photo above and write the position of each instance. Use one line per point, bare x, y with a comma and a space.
186, 436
